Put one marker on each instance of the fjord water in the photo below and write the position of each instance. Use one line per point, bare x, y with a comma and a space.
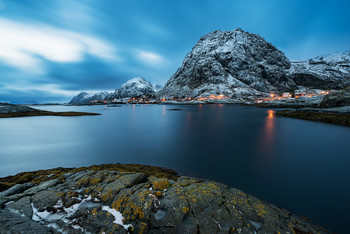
300, 165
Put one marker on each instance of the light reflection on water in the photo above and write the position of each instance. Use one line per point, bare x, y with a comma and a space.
293, 163
267, 139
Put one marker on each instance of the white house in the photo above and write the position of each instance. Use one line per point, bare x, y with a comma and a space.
286, 95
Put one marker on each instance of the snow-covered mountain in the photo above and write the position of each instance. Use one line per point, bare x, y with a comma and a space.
86, 98
157, 87
241, 64
232, 63
132, 88
327, 71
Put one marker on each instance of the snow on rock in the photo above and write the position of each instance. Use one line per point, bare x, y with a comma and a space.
62, 213
117, 215
325, 72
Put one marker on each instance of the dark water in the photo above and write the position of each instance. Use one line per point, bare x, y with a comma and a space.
300, 165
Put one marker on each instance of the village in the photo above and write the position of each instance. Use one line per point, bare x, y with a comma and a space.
273, 96
276, 95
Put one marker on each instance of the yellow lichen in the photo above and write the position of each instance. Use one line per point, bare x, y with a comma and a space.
129, 209
142, 227
160, 184
107, 195
260, 209
185, 209
95, 181
159, 194
94, 211
290, 225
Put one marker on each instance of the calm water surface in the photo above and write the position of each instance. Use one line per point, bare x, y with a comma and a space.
300, 165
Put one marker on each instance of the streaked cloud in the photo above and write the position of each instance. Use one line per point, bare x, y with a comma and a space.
150, 58
22, 45
53, 89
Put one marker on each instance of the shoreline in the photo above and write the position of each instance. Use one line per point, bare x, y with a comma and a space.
15, 111
314, 114
45, 113
307, 112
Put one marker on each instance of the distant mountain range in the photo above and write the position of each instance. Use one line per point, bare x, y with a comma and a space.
86, 98
241, 64
134, 87
238, 64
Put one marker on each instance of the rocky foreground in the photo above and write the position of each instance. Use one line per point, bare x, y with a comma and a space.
10, 111
135, 199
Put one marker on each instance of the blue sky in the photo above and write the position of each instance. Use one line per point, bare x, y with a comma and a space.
52, 49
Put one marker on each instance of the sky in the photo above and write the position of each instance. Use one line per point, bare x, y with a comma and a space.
50, 50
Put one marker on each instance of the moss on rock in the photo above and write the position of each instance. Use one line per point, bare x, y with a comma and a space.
328, 117
49, 174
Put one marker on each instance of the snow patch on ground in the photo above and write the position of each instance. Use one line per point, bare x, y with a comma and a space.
63, 215
117, 215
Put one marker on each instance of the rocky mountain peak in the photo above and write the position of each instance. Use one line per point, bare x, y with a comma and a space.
132, 88
242, 44
230, 63
136, 81
157, 87
85, 97
242, 64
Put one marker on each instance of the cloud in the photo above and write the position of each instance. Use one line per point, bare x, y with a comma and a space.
22, 45
52, 89
35, 93
150, 58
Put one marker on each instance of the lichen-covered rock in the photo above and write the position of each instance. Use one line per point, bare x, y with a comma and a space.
99, 201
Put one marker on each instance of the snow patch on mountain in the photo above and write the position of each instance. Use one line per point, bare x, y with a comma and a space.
157, 87
88, 97
132, 88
